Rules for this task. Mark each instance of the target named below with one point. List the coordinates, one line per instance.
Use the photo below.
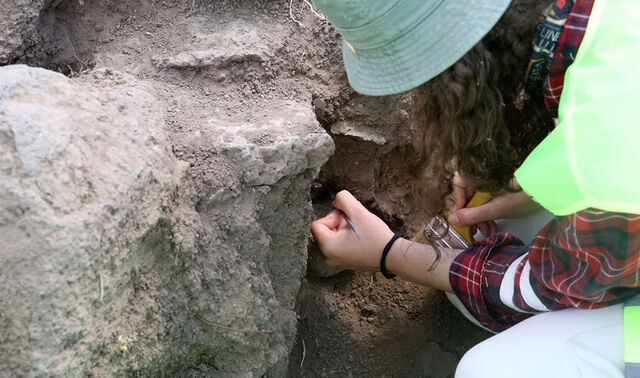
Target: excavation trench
(246, 107)
(354, 324)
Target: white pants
(567, 343)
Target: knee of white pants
(563, 343)
(478, 362)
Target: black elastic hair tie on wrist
(385, 252)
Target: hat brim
(425, 51)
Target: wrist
(385, 253)
(396, 256)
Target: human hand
(462, 193)
(340, 245)
(510, 205)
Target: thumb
(346, 202)
(459, 196)
(471, 216)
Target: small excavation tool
(436, 229)
(333, 197)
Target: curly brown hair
(479, 117)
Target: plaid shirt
(475, 276)
(590, 259)
(565, 52)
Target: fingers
(462, 192)
(459, 196)
(332, 220)
(320, 230)
(484, 228)
(457, 180)
(505, 206)
(325, 230)
(463, 217)
(472, 216)
(487, 228)
(509, 205)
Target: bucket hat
(391, 46)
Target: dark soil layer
(363, 325)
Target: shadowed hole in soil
(65, 42)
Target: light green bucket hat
(391, 46)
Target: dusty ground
(363, 325)
(351, 325)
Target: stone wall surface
(117, 260)
(18, 27)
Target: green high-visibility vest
(592, 159)
(631, 324)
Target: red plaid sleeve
(590, 259)
(475, 276)
(566, 50)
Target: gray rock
(278, 146)
(361, 132)
(18, 26)
(113, 263)
(75, 163)
(236, 43)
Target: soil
(363, 325)
(350, 325)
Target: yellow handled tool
(480, 198)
